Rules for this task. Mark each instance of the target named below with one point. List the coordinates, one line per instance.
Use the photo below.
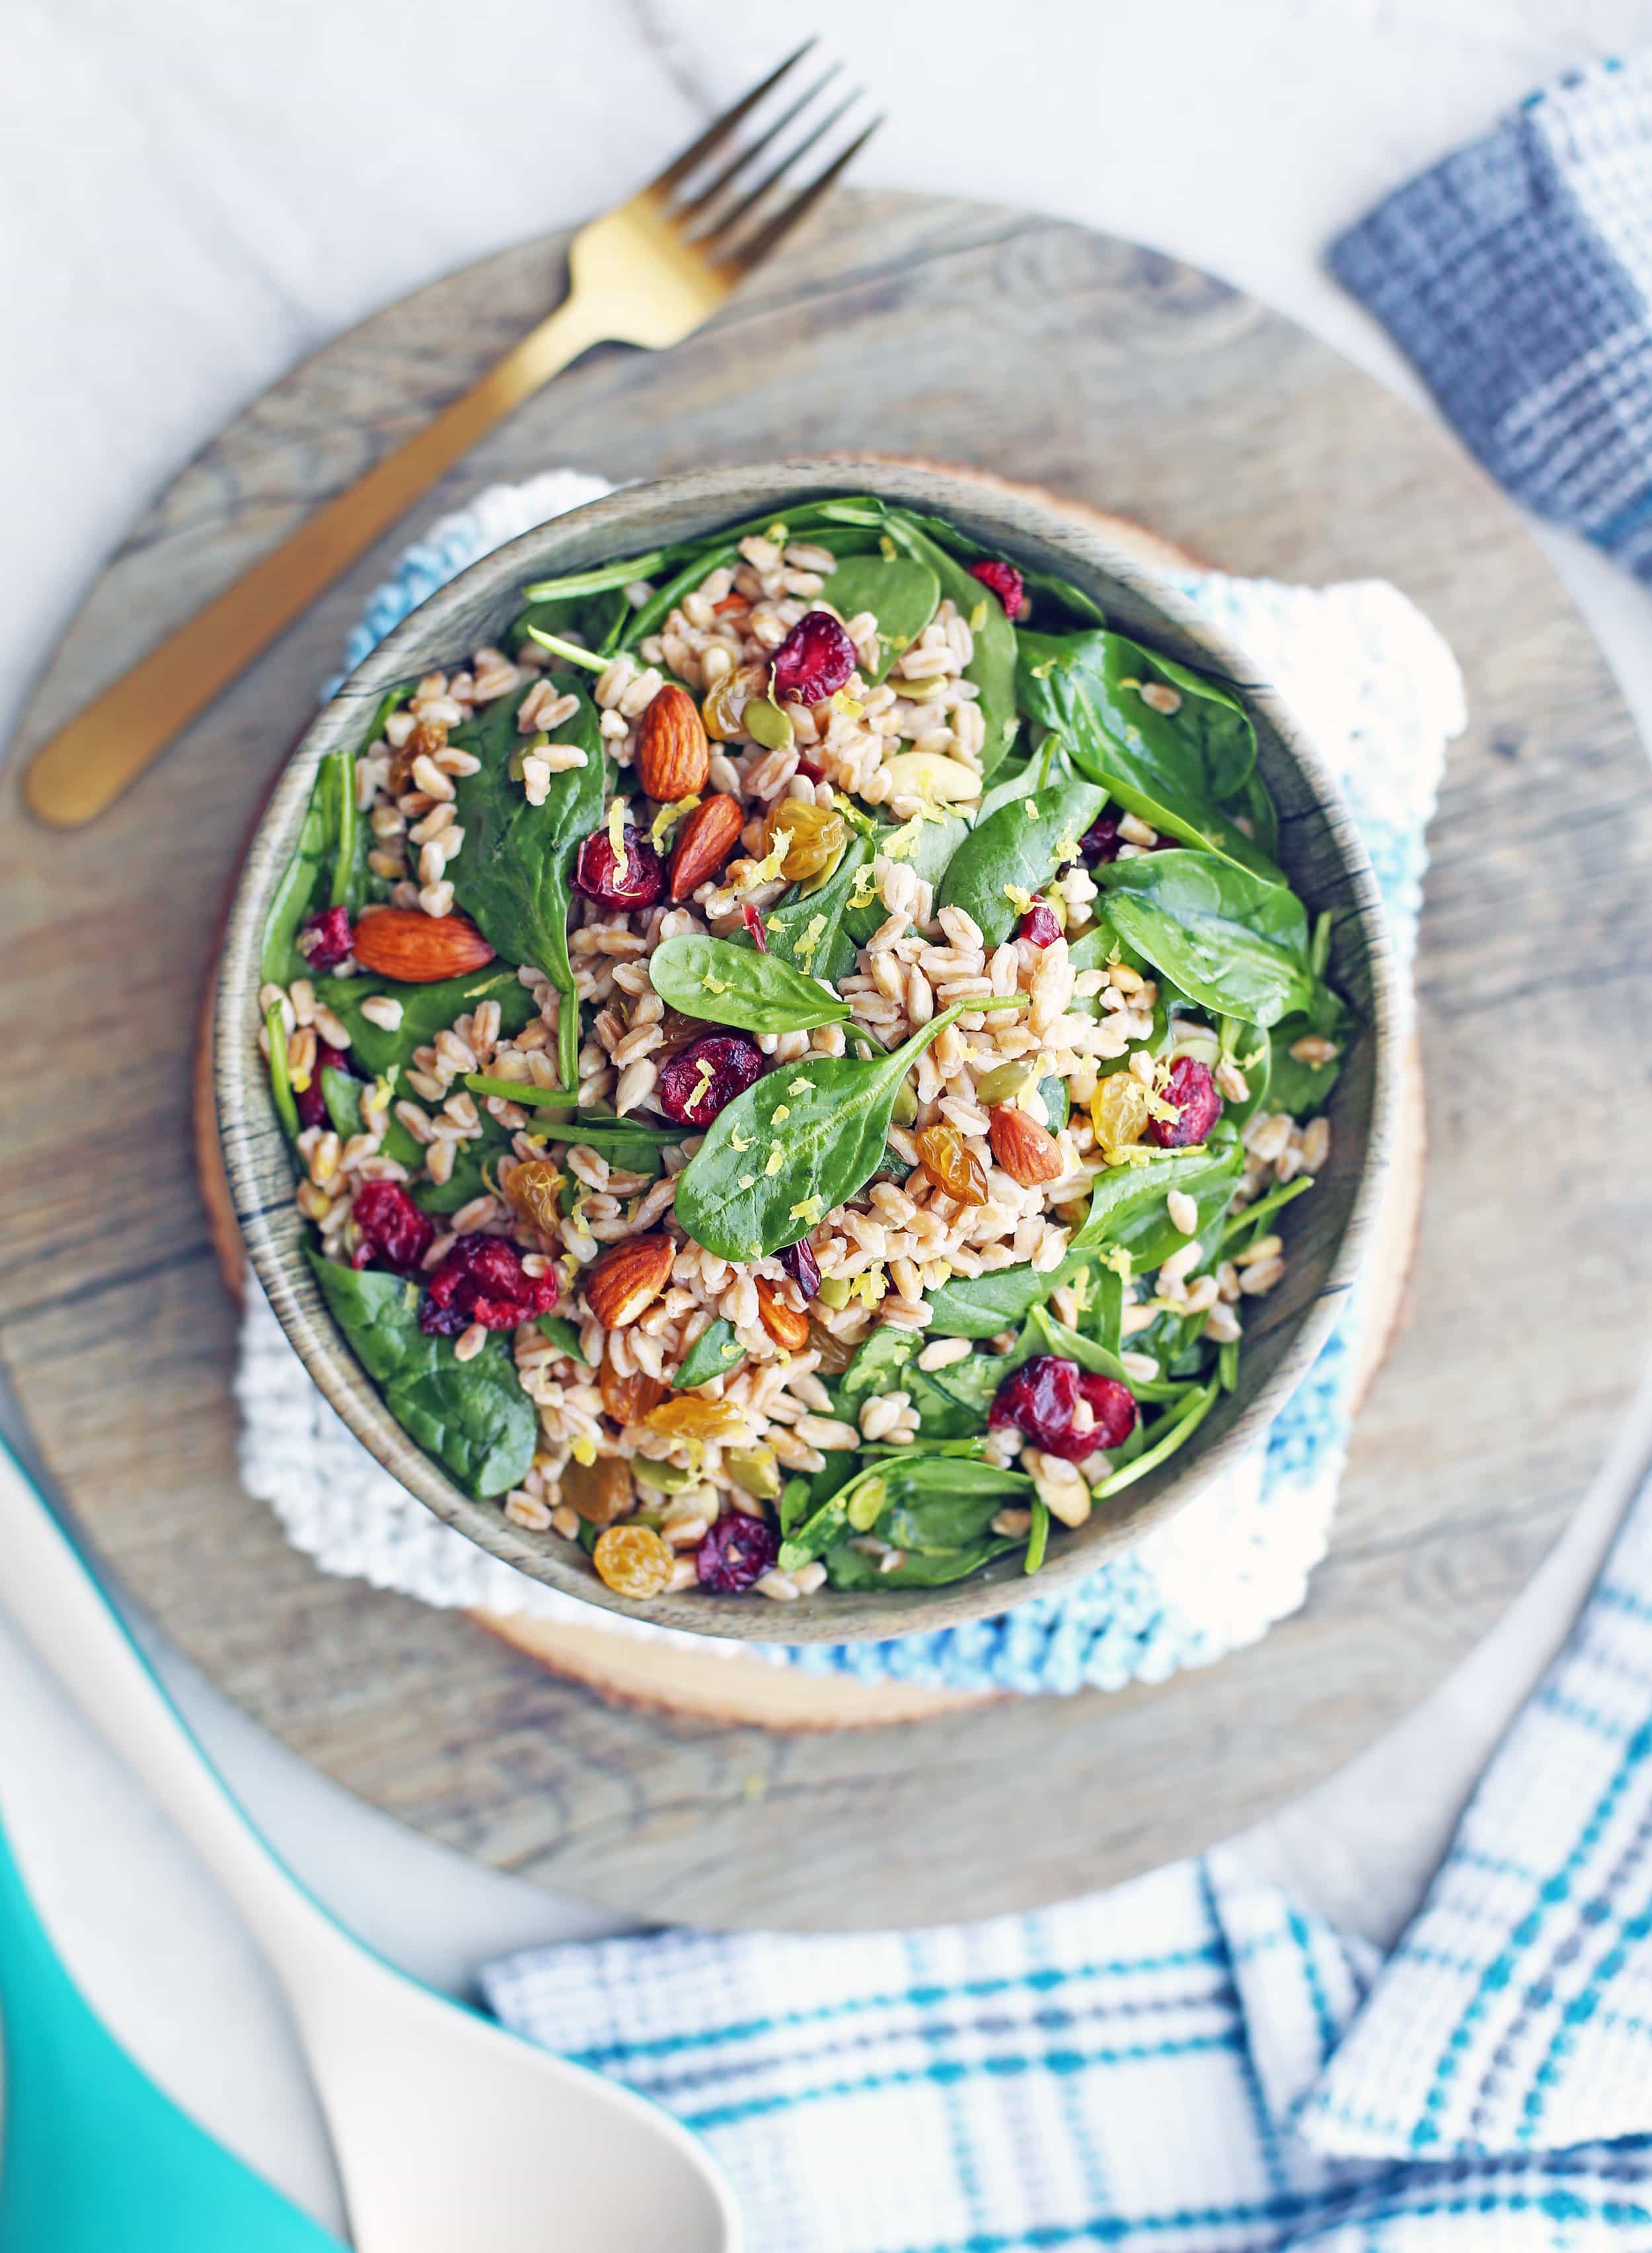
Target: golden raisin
(628, 1399)
(600, 1492)
(688, 1417)
(725, 701)
(533, 1189)
(951, 1164)
(424, 741)
(817, 835)
(1119, 1111)
(835, 1353)
(633, 1561)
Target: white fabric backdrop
(193, 194)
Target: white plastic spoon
(450, 2133)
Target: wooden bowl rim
(259, 1167)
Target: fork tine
(718, 131)
(731, 172)
(743, 256)
(724, 226)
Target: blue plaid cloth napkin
(1518, 274)
(1190, 2064)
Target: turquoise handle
(93, 2158)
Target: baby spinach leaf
(714, 1353)
(379, 1314)
(513, 873)
(1177, 770)
(951, 1508)
(901, 593)
(1045, 1334)
(703, 558)
(812, 932)
(729, 985)
(1018, 849)
(1127, 1204)
(1046, 764)
(472, 1416)
(971, 1382)
(993, 667)
(981, 1305)
(425, 1011)
(1228, 937)
(1160, 1441)
(926, 844)
(1300, 1088)
(342, 1096)
(281, 1089)
(298, 893)
(853, 1572)
(803, 1139)
(941, 1415)
(878, 1367)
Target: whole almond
(672, 756)
(405, 944)
(704, 842)
(788, 1329)
(1028, 1151)
(627, 1278)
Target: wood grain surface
(1094, 369)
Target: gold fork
(648, 273)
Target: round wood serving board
(1101, 371)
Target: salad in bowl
(797, 1051)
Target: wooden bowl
(1327, 1233)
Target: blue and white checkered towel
(1190, 2064)
(1381, 694)
(1518, 274)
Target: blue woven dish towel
(1380, 693)
(1191, 2063)
(1518, 274)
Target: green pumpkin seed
(664, 1478)
(755, 1470)
(1007, 1081)
(767, 724)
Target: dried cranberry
(483, 1280)
(1193, 1090)
(327, 938)
(705, 1077)
(756, 925)
(1042, 1398)
(1101, 841)
(810, 772)
(392, 1228)
(1005, 582)
(736, 1553)
(312, 1103)
(1038, 925)
(804, 1268)
(814, 660)
(638, 881)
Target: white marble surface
(192, 196)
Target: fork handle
(105, 746)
